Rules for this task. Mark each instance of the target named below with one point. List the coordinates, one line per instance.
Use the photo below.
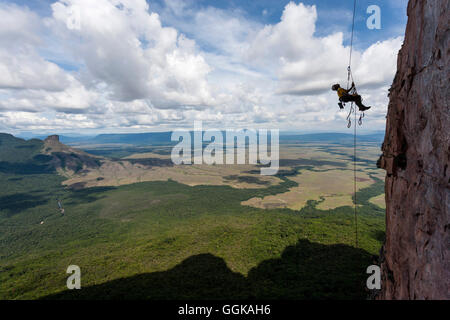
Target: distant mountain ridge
(133, 138)
(164, 138)
(148, 138)
(333, 137)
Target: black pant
(353, 98)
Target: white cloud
(288, 39)
(377, 65)
(28, 70)
(307, 65)
(18, 25)
(21, 67)
(125, 46)
(133, 72)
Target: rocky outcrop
(416, 156)
(52, 139)
(70, 160)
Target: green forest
(166, 240)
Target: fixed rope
(354, 184)
(351, 43)
(352, 109)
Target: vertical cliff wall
(416, 156)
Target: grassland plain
(379, 201)
(164, 239)
(164, 224)
(333, 186)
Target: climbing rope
(351, 45)
(352, 109)
(354, 183)
(349, 119)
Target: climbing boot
(362, 109)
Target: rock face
(68, 159)
(53, 138)
(416, 156)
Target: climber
(347, 96)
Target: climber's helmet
(335, 87)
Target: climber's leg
(358, 100)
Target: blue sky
(161, 65)
(332, 15)
(269, 12)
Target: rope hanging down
(352, 109)
(350, 73)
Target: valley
(188, 232)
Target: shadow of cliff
(16, 203)
(304, 271)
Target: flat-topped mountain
(68, 158)
(36, 156)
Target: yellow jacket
(341, 92)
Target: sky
(111, 66)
